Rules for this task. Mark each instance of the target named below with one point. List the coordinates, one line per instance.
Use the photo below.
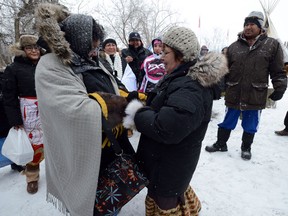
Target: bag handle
(108, 131)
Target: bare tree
(216, 40)
(149, 18)
(16, 18)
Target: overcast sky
(225, 15)
(228, 15)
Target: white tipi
(268, 6)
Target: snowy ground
(226, 184)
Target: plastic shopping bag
(17, 147)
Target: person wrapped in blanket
(174, 122)
(20, 102)
(77, 149)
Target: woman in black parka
(21, 104)
(174, 122)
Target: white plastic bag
(17, 147)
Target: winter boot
(16, 167)
(247, 140)
(220, 145)
(32, 177)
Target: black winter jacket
(19, 81)
(138, 56)
(4, 126)
(249, 70)
(172, 128)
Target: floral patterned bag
(119, 182)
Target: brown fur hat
(26, 40)
(17, 49)
(48, 17)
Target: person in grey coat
(77, 148)
(251, 60)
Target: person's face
(169, 59)
(203, 52)
(110, 48)
(158, 48)
(32, 52)
(135, 42)
(251, 31)
(95, 45)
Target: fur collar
(210, 69)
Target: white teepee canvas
(268, 7)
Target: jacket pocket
(232, 94)
(258, 94)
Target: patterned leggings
(191, 207)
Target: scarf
(117, 65)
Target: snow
(225, 184)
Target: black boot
(247, 140)
(220, 145)
(16, 167)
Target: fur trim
(131, 109)
(48, 17)
(209, 70)
(16, 50)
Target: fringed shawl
(72, 137)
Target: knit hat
(255, 17)
(78, 32)
(109, 40)
(156, 41)
(204, 48)
(26, 40)
(184, 40)
(134, 35)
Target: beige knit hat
(26, 40)
(184, 40)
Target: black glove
(276, 95)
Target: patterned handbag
(119, 182)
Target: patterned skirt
(191, 207)
(33, 127)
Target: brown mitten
(286, 68)
(113, 106)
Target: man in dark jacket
(251, 60)
(135, 54)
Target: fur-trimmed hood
(66, 34)
(48, 16)
(210, 69)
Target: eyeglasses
(165, 53)
(31, 47)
